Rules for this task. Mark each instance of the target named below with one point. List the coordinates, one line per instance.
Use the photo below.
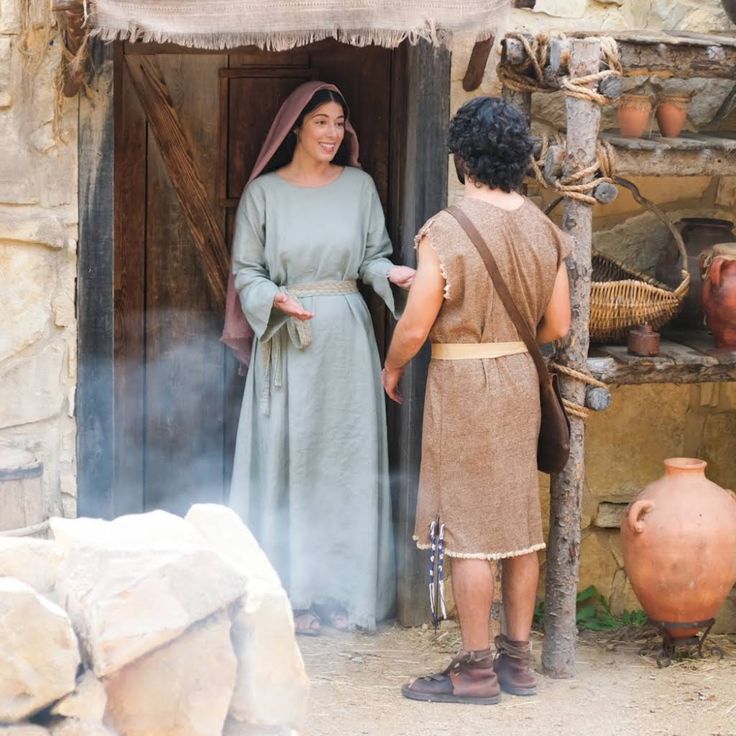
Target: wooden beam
(665, 55)
(683, 358)
(477, 64)
(176, 151)
(563, 552)
(425, 93)
(95, 409)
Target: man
(478, 490)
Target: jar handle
(714, 271)
(637, 511)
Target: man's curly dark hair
(491, 142)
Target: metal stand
(671, 644)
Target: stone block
(86, 703)
(33, 226)
(138, 582)
(181, 689)
(598, 565)
(10, 16)
(39, 651)
(32, 561)
(718, 448)
(27, 280)
(610, 515)
(78, 727)
(31, 388)
(618, 471)
(272, 686)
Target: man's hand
(390, 378)
(402, 276)
(291, 307)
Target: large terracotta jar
(719, 294)
(633, 115)
(699, 234)
(679, 543)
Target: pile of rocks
(148, 625)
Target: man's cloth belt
(475, 350)
(298, 331)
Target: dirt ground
(618, 690)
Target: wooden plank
(176, 151)
(425, 93)
(253, 99)
(94, 398)
(130, 292)
(684, 358)
(185, 362)
(477, 64)
(563, 551)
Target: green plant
(594, 614)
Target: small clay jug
(633, 115)
(679, 544)
(671, 114)
(719, 294)
(699, 234)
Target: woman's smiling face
(322, 131)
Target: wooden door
(177, 390)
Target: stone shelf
(684, 357)
(674, 54)
(692, 154)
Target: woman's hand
(291, 307)
(390, 378)
(402, 276)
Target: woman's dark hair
(491, 143)
(285, 152)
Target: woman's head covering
(237, 333)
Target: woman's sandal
(307, 623)
(333, 615)
(468, 679)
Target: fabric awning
(282, 24)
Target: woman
(478, 490)
(311, 470)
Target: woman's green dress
(311, 463)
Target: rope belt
(298, 331)
(475, 350)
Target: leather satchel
(553, 445)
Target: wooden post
(583, 121)
(522, 100)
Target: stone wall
(38, 230)
(625, 446)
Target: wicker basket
(621, 298)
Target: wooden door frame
(421, 100)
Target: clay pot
(633, 115)
(699, 233)
(672, 114)
(719, 294)
(679, 544)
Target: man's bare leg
(471, 677)
(513, 661)
(472, 587)
(519, 587)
